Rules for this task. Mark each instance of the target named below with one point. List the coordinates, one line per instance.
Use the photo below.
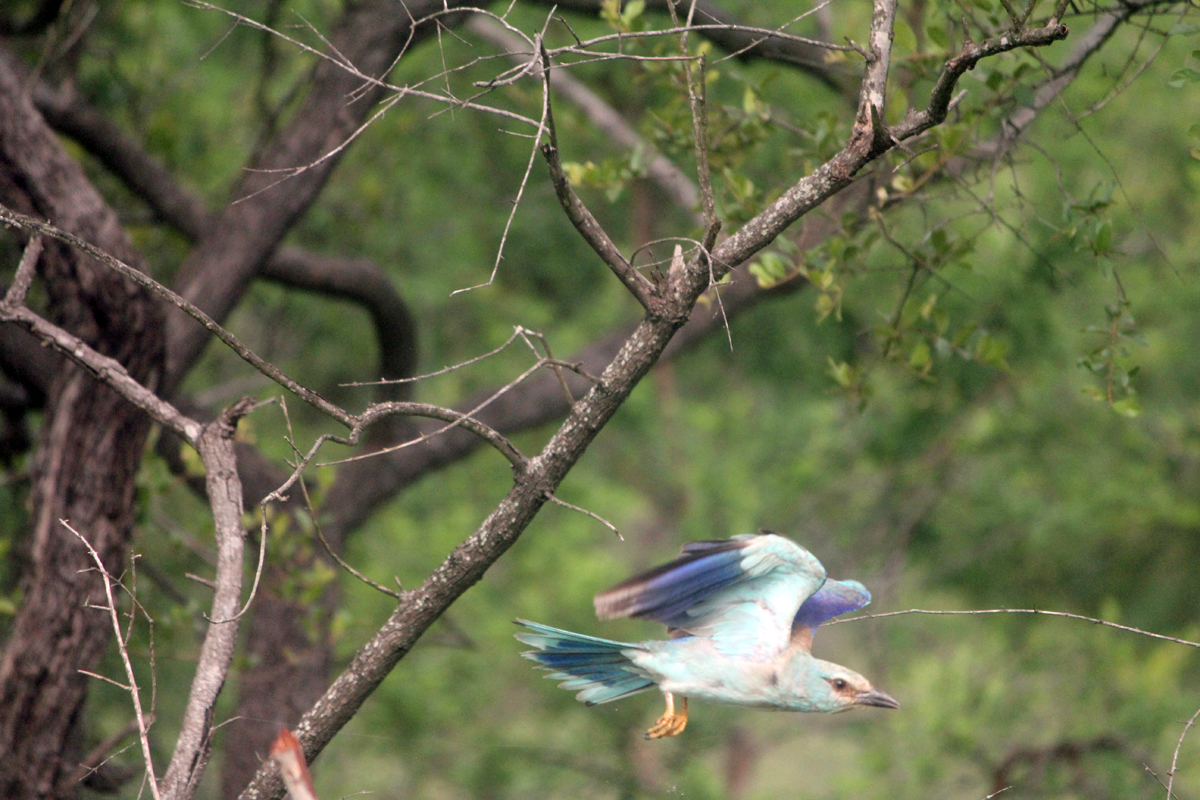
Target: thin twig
(592, 232)
(1178, 746)
(99, 755)
(316, 523)
(696, 102)
(456, 418)
(1037, 611)
(551, 362)
(11, 217)
(517, 332)
(25, 271)
(516, 203)
(143, 725)
(766, 33)
(778, 32)
(465, 421)
(611, 122)
(557, 501)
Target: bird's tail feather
(600, 669)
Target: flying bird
(741, 614)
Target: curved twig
(457, 419)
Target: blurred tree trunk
(88, 457)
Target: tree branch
(916, 122)
(370, 35)
(249, 356)
(674, 183)
(132, 686)
(361, 281)
(107, 370)
(355, 279)
(194, 745)
(591, 231)
(724, 30)
(70, 114)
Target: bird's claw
(670, 723)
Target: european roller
(741, 614)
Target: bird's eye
(839, 685)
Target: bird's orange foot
(670, 723)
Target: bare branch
(872, 95)
(638, 285)
(271, 371)
(1179, 745)
(558, 501)
(916, 122)
(143, 726)
(608, 120)
(458, 419)
(722, 29)
(98, 755)
(107, 370)
(194, 744)
(696, 98)
(25, 271)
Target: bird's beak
(876, 698)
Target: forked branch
(638, 285)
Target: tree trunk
(87, 460)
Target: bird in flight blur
(741, 614)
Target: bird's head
(832, 687)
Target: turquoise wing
(742, 593)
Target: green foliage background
(997, 479)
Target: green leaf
(1182, 76)
(1128, 407)
(1103, 239)
(940, 242)
(920, 357)
(770, 269)
(1183, 28)
(928, 306)
(937, 35)
(842, 373)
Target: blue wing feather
(666, 591)
(743, 593)
(832, 599)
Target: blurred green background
(957, 450)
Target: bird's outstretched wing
(832, 599)
(742, 593)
